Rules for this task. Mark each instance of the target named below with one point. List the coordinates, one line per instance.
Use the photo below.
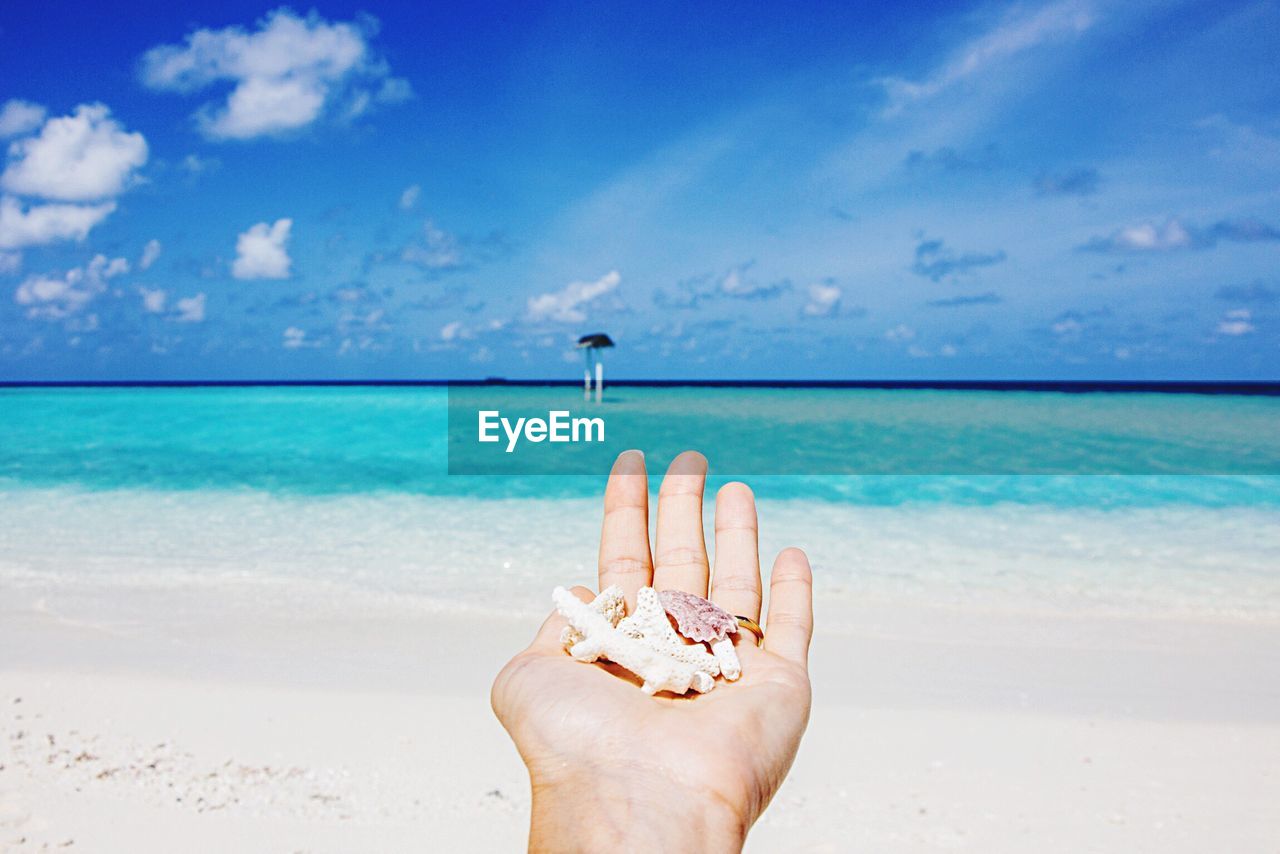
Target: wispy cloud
(824, 300)
(1241, 144)
(935, 261)
(150, 254)
(295, 338)
(54, 297)
(1018, 33)
(1173, 235)
(1076, 182)
(1236, 323)
(190, 309)
(153, 300)
(737, 282)
(409, 197)
(1254, 292)
(435, 249)
(965, 300)
(953, 161)
(569, 304)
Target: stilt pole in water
(592, 345)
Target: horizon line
(1245, 387)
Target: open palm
(590, 730)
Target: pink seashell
(696, 618)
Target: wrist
(628, 807)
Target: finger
(735, 584)
(548, 636)
(680, 552)
(624, 535)
(789, 626)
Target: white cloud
(1236, 327)
(1236, 323)
(1173, 235)
(261, 253)
(194, 164)
(105, 268)
(283, 74)
(153, 301)
(10, 262)
(901, 332)
(18, 117)
(295, 338)
(736, 283)
(732, 283)
(824, 300)
(438, 250)
(1068, 327)
(40, 224)
(450, 331)
(150, 253)
(1148, 237)
(191, 309)
(409, 198)
(567, 304)
(50, 297)
(1015, 35)
(80, 157)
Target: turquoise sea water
(308, 441)
(339, 499)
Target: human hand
(612, 767)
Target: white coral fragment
(644, 643)
(610, 604)
(728, 657)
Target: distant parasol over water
(591, 345)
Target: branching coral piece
(643, 643)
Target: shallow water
(341, 496)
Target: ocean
(343, 494)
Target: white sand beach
(210, 727)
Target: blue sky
(1061, 190)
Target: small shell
(696, 618)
